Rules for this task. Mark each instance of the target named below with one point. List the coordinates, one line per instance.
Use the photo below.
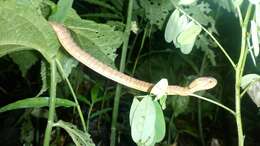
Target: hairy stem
(47, 136)
(122, 68)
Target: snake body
(64, 36)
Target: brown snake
(202, 83)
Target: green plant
(28, 40)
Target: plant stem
(47, 136)
(214, 102)
(121, 69)
(89, 113)
(73, 95)
(239, 74)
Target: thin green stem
(89, 113)
(61, 70)
(212, 37)
(140, 50)
(214, 102)
(121, 69)
(239, 74)
(47, 136)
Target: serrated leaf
(179, 104)
(24, 59)
(36, 102)
(21, 25)
(79, 137)
(143, 123)
(159, 123)
(100, 40)
(43, 78)
(156, 11)
(247, 79)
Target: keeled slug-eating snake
(64, 36)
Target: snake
(68, 43)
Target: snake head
(202, 83)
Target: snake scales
(64, 36)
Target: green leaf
(179, 104)
(187, 38)
(156, 11)
(63, 8)
(247, 79)
(159, 123)
(170, 30)
(100, 40)
(79, 137)
(24, 59)
(143, 122)
(100, 112)
(94, 92)
(22, 26)
(133, 108)
(257, 14)
(36, 102)
(44, 78)
(254, 92)
(186, 2)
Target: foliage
(30, 51)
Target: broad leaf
(100, 40)
(36, 102)
(143, 122)
(170, 30)
(159, 123)
(22, 26)
(133, 108)
(62, 10)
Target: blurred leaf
(94, 92)
(159, 123)
(156, 11)
(179, 104)
(36, 102)
(100, 112)
(254, 92)
(24, 59)
(187, 38)
(133, 108)
(225, 4)
(79, 137)
(62, 9)
(22, 27)
(254, 37)
(171, 30)
(143, 122)
(247, 79)
(186, 2)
